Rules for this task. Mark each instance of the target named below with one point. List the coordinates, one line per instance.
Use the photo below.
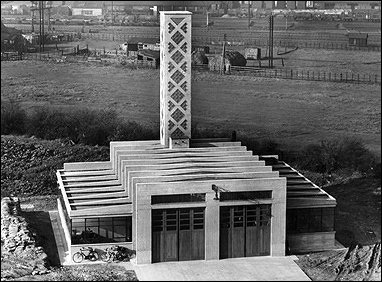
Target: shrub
(13, 118)
(84, 126)
(133, 131)
(332, 155)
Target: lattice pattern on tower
(175, 75)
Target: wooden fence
(104, 56)
(309, 75)
(11, 56)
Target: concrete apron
(252, 268)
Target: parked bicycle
(109, 254)
(116, 253)
(85, 253)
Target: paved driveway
(254, 268)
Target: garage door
(178, 234)
(245, 231)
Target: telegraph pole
(43, 24)
(112, 13)
(270, 45)
(223, 55)
(249, 13)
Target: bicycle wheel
(78, 257)
(106, 257)
(93, 256)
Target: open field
(290, 112)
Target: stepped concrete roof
(105, 188)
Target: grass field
(293, 113)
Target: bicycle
(116, 253)
(85, 253)
(109, 254)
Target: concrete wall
(143, 220)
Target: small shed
(358, 39)
(149, 55)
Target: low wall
(306, 242)
(19, 251)
(63, 224)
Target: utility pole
(33, 9)
(112, 13)
(49, 13)
(223, 55)
(43, 24)
(270, 44)
(249, 13)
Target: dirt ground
(287, 111)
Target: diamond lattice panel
(177, 76)
(177, 115)
(177, 37)
(177, 57)
(177, 96)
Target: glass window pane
(78, 229)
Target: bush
(13, 118)
(333, 155)
(133, 131)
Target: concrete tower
(175, 78)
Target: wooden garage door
(178, 234)
(245, 231)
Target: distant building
(353, 5)
(11, 39)
(87, 8)
(149, 55)
(358, 39)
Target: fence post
(358, 77)
(369, 78)
(375, 79)
(308, 75)
(364, 77)
(352, 77)
(341, 76)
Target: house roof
(357, 35)
(136, 40)
(102, 188)
(150, 53)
